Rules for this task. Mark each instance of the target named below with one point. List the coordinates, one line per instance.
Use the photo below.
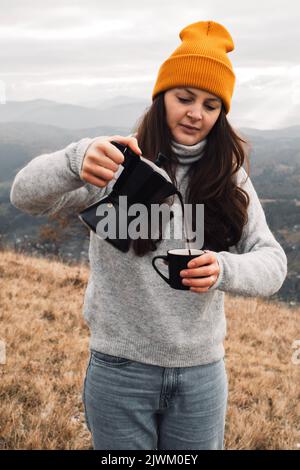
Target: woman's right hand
(102, 159)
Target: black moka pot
(140, 183)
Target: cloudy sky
(85, 51)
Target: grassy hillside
(47, 350)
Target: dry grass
(47, 351)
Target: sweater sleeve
(259, 266)
(50, 183)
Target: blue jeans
(133, 405)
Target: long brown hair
(210, 179)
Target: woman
(156, 377)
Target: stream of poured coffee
(184, 226)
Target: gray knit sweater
(130, 310)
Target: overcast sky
(80, 51)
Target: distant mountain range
(122, 113)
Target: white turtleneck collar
(187, 154)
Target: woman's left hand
(202, 272)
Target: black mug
(177, 260)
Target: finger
(130, 141)
(108, 150)
(207, 258)
(199, 289)
(99, 172)
(94, 180)
(203, 271)
(103, 161)
(134, 145)
(111, 152)
(197, 282)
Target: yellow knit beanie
(200, 61)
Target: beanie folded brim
(202, 72)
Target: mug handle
(165, 258)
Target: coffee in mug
(177, 260)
